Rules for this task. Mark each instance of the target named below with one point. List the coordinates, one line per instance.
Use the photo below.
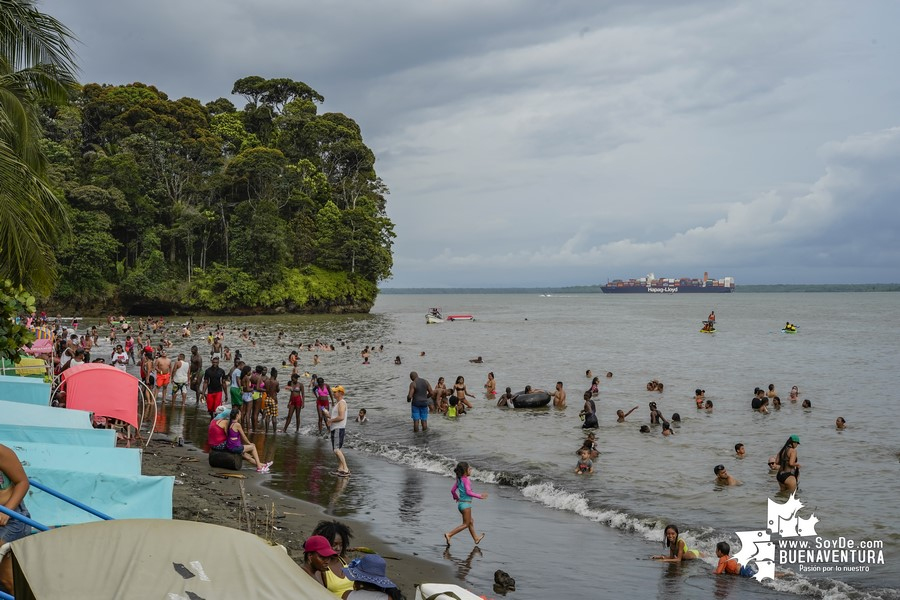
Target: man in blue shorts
(419, 393)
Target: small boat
(531, 400)
(460, 317)
(789, 330)
(433, 316)
(707, 331)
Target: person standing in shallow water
(418, 394)
(589, 412)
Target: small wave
(648, 527)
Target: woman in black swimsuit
(788, 467)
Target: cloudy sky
(552, 143)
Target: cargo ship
(650, 284)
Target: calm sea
(588, 530)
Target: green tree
(258, 240)
(36, 65)
(87, 259)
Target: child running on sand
(463, 494)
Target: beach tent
(18, 414)
(26, 390)
(119, 496)
(87, 459)
(153, 559)
(42, 344)
(26, 367)
(101, 438)
(104, 390)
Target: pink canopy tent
(104, 390)
(43, 343)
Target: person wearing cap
(338, 535)
(370, 581)
(722, 476)
(337, 425)
(788, 467)
(316, 552)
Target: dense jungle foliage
(175, 205)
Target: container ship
(650, 284)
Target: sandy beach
(202, 494)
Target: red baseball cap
(318, 544)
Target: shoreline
(199, 495)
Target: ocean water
(596, 531)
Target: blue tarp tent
(25, 390)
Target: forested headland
(181, 206)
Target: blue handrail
(14, 515)
(71, 501)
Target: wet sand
(199, 495)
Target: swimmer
(477, 361)
(727, 564)
(840, 423)
(361, 417)
(788, 467)
(667, 429)
(676, 418)
(678, 548)
(590, 444)
(655, 415)
(776, 403)
(397, 360)
(795, 392)
(773, 463)
(739, 450)
(490, 386)
(559, 395)
(585, 464)
(645, 429)
(595, 387)
(708, 406)
(507, 398)
(588, 374)
(609, 374)
(699, 397)
(620, 414)
(806, 403)
(722, 476)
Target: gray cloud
(534, 143)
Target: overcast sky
(557, 143)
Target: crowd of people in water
(242, 398)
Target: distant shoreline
(595, 289)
